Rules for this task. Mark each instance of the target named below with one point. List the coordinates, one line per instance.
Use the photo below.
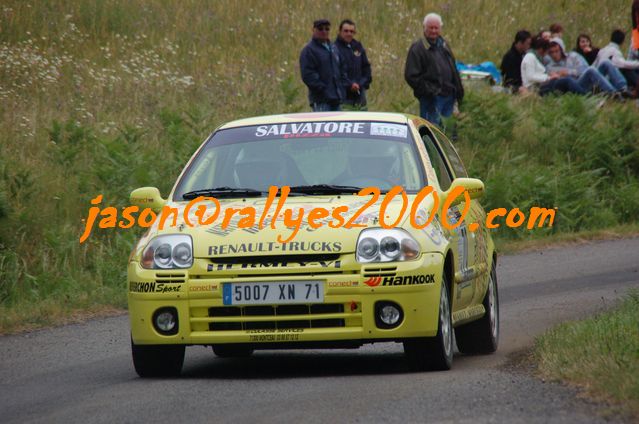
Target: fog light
(165, 321)
(388, 314)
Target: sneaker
(626, 94)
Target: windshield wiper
(224, 192)
(325, 189)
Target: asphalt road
(83, 373)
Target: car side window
(437, 160)
(451, 154)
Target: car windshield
(349, 154)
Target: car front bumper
(347, 313)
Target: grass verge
(599, 354)
(509, 246)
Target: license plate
(258, 293)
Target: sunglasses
(349, 31)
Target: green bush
(559, 152)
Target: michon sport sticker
(390, 130)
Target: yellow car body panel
(325, 255)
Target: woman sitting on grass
(585, 48)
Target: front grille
(245, 313)
(270, 259)
(276, 265)
(170, 277)
(379, 271)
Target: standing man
(321, 70)
(431, 73)
(358, 70)
(511, 62)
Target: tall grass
(599, 354)
(106, 96)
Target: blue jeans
(562, 85)
(591, 78)
(326, 107)
(433, 108)
(610, 71)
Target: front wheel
(434, 353)
(482, 336)
(157, 360)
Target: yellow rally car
(235, 287)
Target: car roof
(398, 118)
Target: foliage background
(107, 96)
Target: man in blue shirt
(321, 70)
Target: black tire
(232, 351)
(434, 353)
(157, 360)
(482, 336)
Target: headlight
(381, 245)
(368, 248)
(168, 252)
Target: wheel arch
(449, 270)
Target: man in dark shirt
(511, 63)
(431, 72)
(358, 70)
(321, 70)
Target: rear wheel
(482, 336)
(157, 360)
(232, 351)
(434, 353)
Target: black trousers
(631, 75)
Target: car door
(478, 239)
(462, 240)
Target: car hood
(214, 241)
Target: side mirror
(473, 186)
(147, 197)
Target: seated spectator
(585, 48)
(545, 34)
(612, 52)
(556, 31)
(511, 62)
(534, 75)
(574, 66)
